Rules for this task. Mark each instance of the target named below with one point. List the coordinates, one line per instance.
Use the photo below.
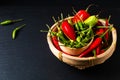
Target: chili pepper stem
(105, 32)
(17, 20)
(89, 7)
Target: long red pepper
(99, 32)
(94, 45)
(98, 50)
(55, 42)
(106, 24)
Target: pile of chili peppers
(77, 32)
(8, 22)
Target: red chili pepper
(55, 42)
(99, 23)
(102, 51)
(98, 50)
(68, 30)
(100, 31)
(80, 16)
(94, 45)
(106, 24)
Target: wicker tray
(85, 62)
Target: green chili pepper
(6, 22)
(91, 21)
(15, 31)
(78, 45)
(80, 25)
(61, 36)
(76, 27)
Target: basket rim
(114, 37)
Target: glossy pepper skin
(68, 30)
(80, 16)
(91, 21)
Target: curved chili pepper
(15, 31)
(68, 30)
(94, 45)
(55, 42)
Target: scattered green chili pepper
(15, 30)
(7, 22)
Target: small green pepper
(15, 31)
(6, 22)
(91, 21)
(61, 36)
(80, 25)
(77, 27)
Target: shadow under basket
(84, 62)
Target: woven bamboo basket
(84, 62)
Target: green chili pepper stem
(109, 18)
(80, 25)
(50, 31)
(44, 31)
(62, 16)
(17, 20)
(94, 52)
(106, 31)
(15, 30)
(76, 26)
(61, 36)
(102, 26)
(89, 6)
(74, 10)
(54, 19)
